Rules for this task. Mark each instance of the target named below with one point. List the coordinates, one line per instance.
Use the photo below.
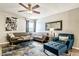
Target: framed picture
(11, 24)
(57, 25)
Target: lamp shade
(51, 29)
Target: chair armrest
(70, 43)
(15, 38)
(55, 38)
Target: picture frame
(11, 24)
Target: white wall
(70, 23)
(21, 25)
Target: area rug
(26, 51)
(35, 49)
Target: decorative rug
(31, 50)
(34, 49)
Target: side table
(1, 45)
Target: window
(31, 26)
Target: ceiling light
(30, 12)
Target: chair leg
(70, 52)
(66, 52)
(45, 52)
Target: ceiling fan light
(30, 12)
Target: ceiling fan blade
(36, 6)
(23, 5)
(22, 11)
(36, 12)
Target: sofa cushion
(26, 37)
(39, 36)
(55, 45)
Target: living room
(31, 29)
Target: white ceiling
(46, 9)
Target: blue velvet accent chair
(59, 47)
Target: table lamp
(52, 32)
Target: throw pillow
(63, 38)
(11, 35)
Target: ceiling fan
(29, 8)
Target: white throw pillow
(11, 35)
(63, 38)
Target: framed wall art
(11, 24)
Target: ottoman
(55, 47)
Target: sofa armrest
(15, 38)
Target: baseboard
(75, 48)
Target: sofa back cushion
(19, 34)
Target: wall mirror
(57, 25)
